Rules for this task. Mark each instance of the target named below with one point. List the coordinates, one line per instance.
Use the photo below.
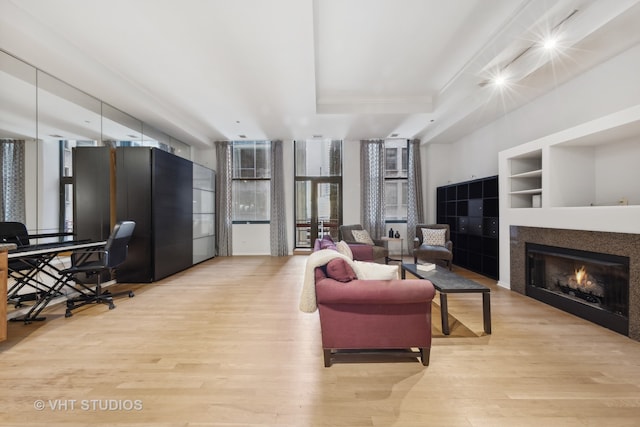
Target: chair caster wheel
(112, 306)
(131, 294)
(68, 313)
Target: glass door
(318, 210)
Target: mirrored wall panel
(42, 121)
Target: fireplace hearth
(591, 285)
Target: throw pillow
(375, 271)
(362, 236)
(338, 269)
(433, 237)
(343, 248)
(327, 242)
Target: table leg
(486, 311)
(444, 313)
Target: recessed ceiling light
(394, 135)
(53, 135)
(132, 136)
(242, 136)
(317, 136)
(499, 80)
(550, 43)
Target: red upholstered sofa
(392, 317)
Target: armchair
(438, 247)
(362, 251)
(390, 317)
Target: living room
(223, 342)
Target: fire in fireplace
(590, 285)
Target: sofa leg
(424, 355)
(327, 357)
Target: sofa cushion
(344, 249)
(362, 236)
(375, 271)
(338, 269)
(433, 236)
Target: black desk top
(56, 247)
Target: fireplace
(624, 245)
(591, 285)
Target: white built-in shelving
(525, 179)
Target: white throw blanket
(363, 270)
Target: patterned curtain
(415, 204)
(12, 180)
(372, 187)
(278, 227)
(224, 150)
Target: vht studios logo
(88, 405)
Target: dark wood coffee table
(447, 282)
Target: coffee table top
(446, 281)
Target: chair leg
(97, 296)
(327, 357)
(425, 353)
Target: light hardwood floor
(223, 344)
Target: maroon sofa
(392, 317)
(361, 251)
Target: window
(251, 185)
(395, 183)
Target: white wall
(605, 89)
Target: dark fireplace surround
(618, 245)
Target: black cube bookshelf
(471, 210)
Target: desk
(40, 260)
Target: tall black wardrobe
(154, 188)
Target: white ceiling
(206, 70)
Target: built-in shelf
(525, 180)
(593, 164)
(529, 174)
(529, 191)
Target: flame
(581, 274)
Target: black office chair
(23, 271)
(96, 263)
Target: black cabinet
(471, 210)
(154, 188)
(91, 193)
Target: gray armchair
(430, 252)
(378, 251)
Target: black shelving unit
(471, 210)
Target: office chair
(96, 263)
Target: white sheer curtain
(415, 203)
(372, 216)
(278, 220)
(12, 201)
(224, 220)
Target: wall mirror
(42, 119)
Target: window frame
(401, 175)
(266, 176)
